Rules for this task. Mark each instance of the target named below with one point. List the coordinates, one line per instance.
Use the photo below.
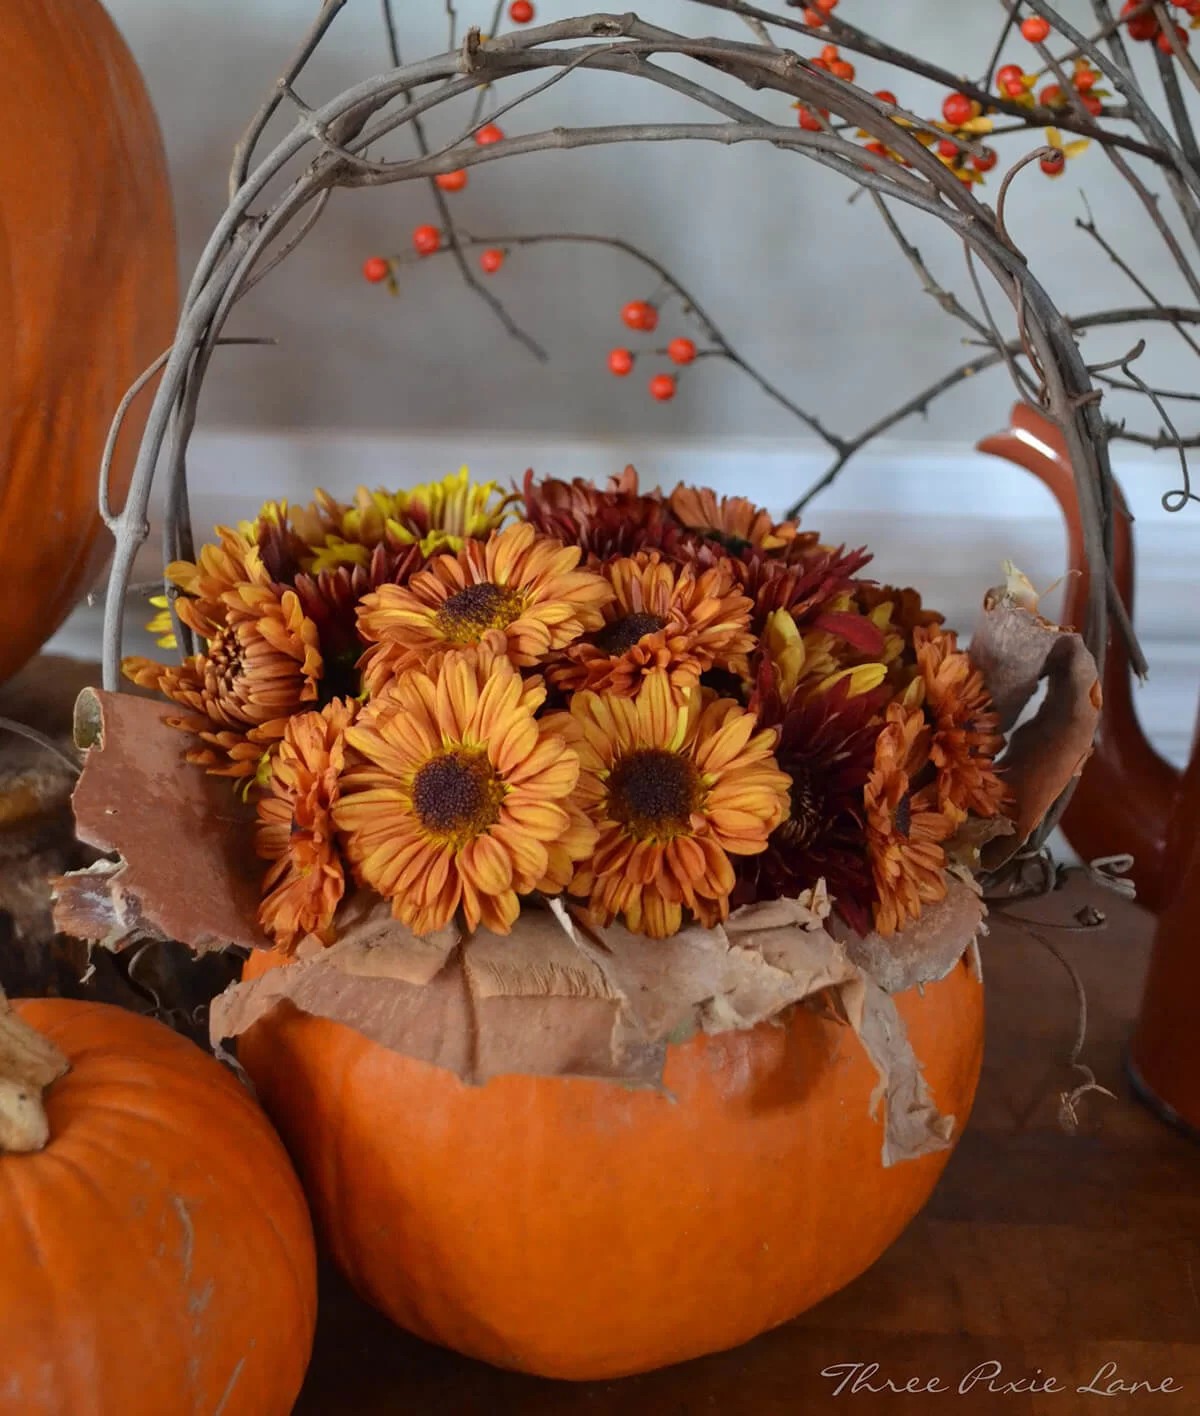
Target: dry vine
(276, 199)
(1177, 156)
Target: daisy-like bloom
(259, 669)
(525, 587)
(966, 729)
(464, 797)
(674, 791)
(614, 521)
(306, 880)
(905, 824)
(827, 748)
(733, 522)
(662, 616)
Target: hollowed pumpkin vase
(586, 1229)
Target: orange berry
(620, 362)
(375, 269)
(681, 350)
(1035, 29)
(957, 109)
(662, 387)
(491, 260)
(426, 240)
(520, 12)
(490, 133)
(640, 314)
(452, 181)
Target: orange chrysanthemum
(464, 797)
(734, 522)
(306, 881)
(525, 587)
(674, 791)
(966, 729)
(259, 669)
(662, 616)
(218, 571)
(905, 827)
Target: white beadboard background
(942, 519)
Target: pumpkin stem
(29, 1062)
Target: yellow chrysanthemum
(436, 516)
(662, 616)
(306, 880)
(673, 790)
(524, 588)
(160, 624)
(813, 657)
(465, 798)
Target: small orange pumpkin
(157, 1253)
(87, 295)
(582, 1229)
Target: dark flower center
(468, 614)
(902, 818)
(807, 814)
(733, 543)
(624, 633)
(724, 681)
(457, 796)
(339, 676)
(653, 792)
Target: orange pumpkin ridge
(158, 1255)
(585, 1230)
(87, 296)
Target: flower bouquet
(607, 860)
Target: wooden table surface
(1053, 1258)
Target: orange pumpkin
(157, 1253)
(87, 295)
(582, 1229)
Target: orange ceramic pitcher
(1130, 799)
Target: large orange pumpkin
(582, 1229)
(87, 295)
(157, 1255)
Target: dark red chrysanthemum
(827, 748)
(617, 520)
(331, 598)
(802, 584)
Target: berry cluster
(1141, 23)
(642, 315)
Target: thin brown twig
(446, 219)
(243, 153)
(1090, 228)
